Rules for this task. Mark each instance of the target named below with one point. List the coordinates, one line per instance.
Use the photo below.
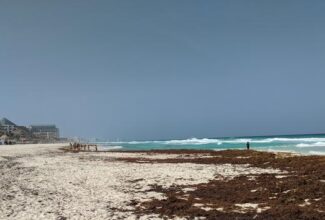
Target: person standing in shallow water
(247, 145)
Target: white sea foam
(317, 144)
(219, 149)
(242, 140)
(278, 151)
(194, 141)
(198, 141)
(113, 147)
(290, 140)
(317, 152)
(237, 141)
(270, 140)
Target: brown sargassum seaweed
(299, 194)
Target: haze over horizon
(147, 70)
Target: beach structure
(45, 131)
(79, 147)
(6, 125)
(3, 139)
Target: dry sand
(43, 182)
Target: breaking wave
(197, 141)
(317, 144)
(194, 141)
(297, 143)
(113, 147)
(317, 152)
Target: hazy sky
(164, 69)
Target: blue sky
(164, 69)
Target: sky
(149, 69)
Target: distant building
(45, 131)
(6, 125)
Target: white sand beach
(43, 182)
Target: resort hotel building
(45, 131)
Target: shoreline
(48, 182)
(294, 153)
(302, 144)
(116, 148)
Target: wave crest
(113, 147)
(317, 144)
(194, 141)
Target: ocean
(304, 144)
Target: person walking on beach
(247, 145)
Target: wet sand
(49, 182)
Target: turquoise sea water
(305, 144)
